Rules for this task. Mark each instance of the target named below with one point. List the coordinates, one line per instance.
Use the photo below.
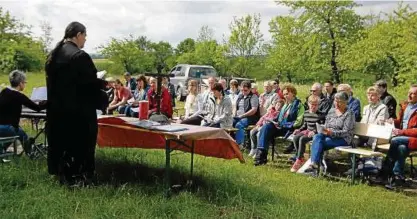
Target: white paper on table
(320, 128)
(101, 74)
(39, 94)
(135, 109)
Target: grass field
(131, 186)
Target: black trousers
(196, 120)
(72, 142)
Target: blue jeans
(267, 132)
(398, 151)
(9, 131)
(121, 109)
(323, 143)
(127, 110)
(241, 125)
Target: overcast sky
(170, 21)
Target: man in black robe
(74, 93)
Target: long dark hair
(71, 31)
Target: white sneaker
(252, 152)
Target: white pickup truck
(185, 72)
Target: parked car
(185, 72)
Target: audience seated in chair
(166, 107)
(121, 96)
(276, 89)
(387, 99)
(234, 93)
(130, 83)
(207, 98)
(271, 114)
(247, 112)
(373, 113)
(193, 105)
(305, 133)
(11, 101)
(141, 93)
(330, 91)
(289, 118)
(166, 82)
(405, 139)
(267, 98)
(324, 103)
(338, 131)
(224, 85)
(353, 104)
(222, 116)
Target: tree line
(318, 40)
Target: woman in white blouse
(234, 94)
(193, 105)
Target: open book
(39, 94)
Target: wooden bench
(366, 130)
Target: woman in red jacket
(166, 107)
(405, 139)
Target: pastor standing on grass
(74, 94)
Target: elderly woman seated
(193, 105)
(121, 96)
(289, 118)
(373, 113)
(11, 101)
(337, 131)
(140, 93)
(165, 104)
(221, 117)
(353, 104)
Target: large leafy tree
(388, 49)
(127, 53)
(162, 51)
(332, 24)
(18, 49)
(245, 42)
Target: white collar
(12, 88)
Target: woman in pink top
(272, 113)
(121, 96)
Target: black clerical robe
(74, 94)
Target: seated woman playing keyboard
(11, 101)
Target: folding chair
(6, 141)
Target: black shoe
(261, 157)
(292, 159)
(395, 182)
(289, 149)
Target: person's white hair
(267, 83)
(16, 77)
(318, 86)
(345, 87)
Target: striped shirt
(310, 120)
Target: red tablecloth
(212, 142)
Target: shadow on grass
(221, 190)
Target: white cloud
(170, 21)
